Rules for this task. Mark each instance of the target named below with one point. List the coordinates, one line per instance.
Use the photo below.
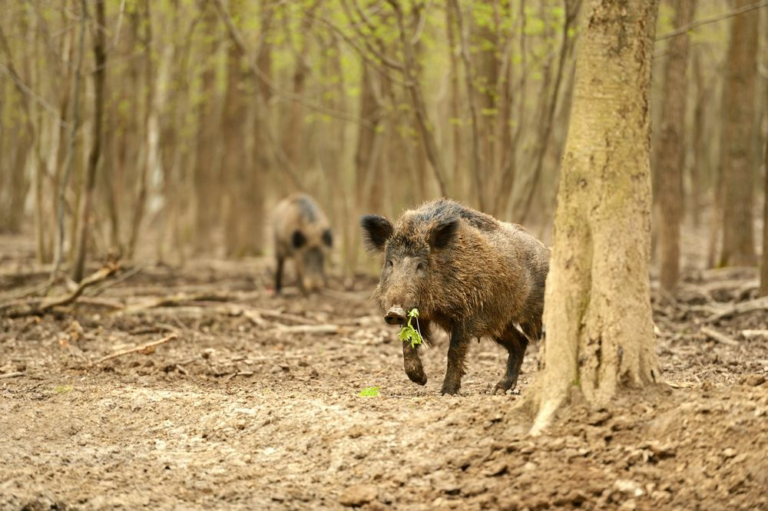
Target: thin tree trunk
(477, 163)
(764, 264)
(100, 59)
(549, 107)
(426, 128)
(206, 214)
(70, 158)
(597, 308)
(671, 148)
(509, 168)
(151, 134)
(457, 183)
(293, 137)
(233, 130)
(736, 161)
(700, 153)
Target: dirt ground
(256, 405)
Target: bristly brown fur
(301, 232)
(483, 277)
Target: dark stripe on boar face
(298, 239)
(328, 238)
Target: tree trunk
(736, 161)
(597, 309)
(764, 264)
(455, 118)
(700, 153)
(232, 127)
(151, 134)
(426, 128)
(671, 148)
(477, 169)
(549, 108)
(100, 59)
(293, 137)
(206, 212)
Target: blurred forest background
(167, 129)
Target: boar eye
(390, 264)
(421, 267)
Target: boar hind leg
(411, 360)
(279, 275)
(515, 343)
(457, 353)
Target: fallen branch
(11, 375)
(40, 306)
(174, 300)
(754, 334)
(122, 278)
(274, 314)
(308, 329)
(740, 308)
(144, 348)
(719, 337)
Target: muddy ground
(256, 405)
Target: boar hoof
(450, 389)
(417, 376)
(503, 386)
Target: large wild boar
(466, 272)
(302, 233)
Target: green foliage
(410, 334)
(370, 392)
(63, 389)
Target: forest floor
(256, 405)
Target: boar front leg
(411, 360)
(457, 353)
(279, 274)
(412, 363)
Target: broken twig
(740, 308)
(11, 375)
(40, 306)
(719, 337)
(144, 348)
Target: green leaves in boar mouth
(410, 334)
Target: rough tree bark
(597, 308)
(736, 162)
(100, 60)
(671, 148)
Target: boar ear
(443, 233)
(376, 231)
(328, 238)
(298, 239)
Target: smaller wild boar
(301, 232)
(466, 272)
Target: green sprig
(410, 334)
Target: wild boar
(302, 233)
(466, 272)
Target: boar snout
(395, 316)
